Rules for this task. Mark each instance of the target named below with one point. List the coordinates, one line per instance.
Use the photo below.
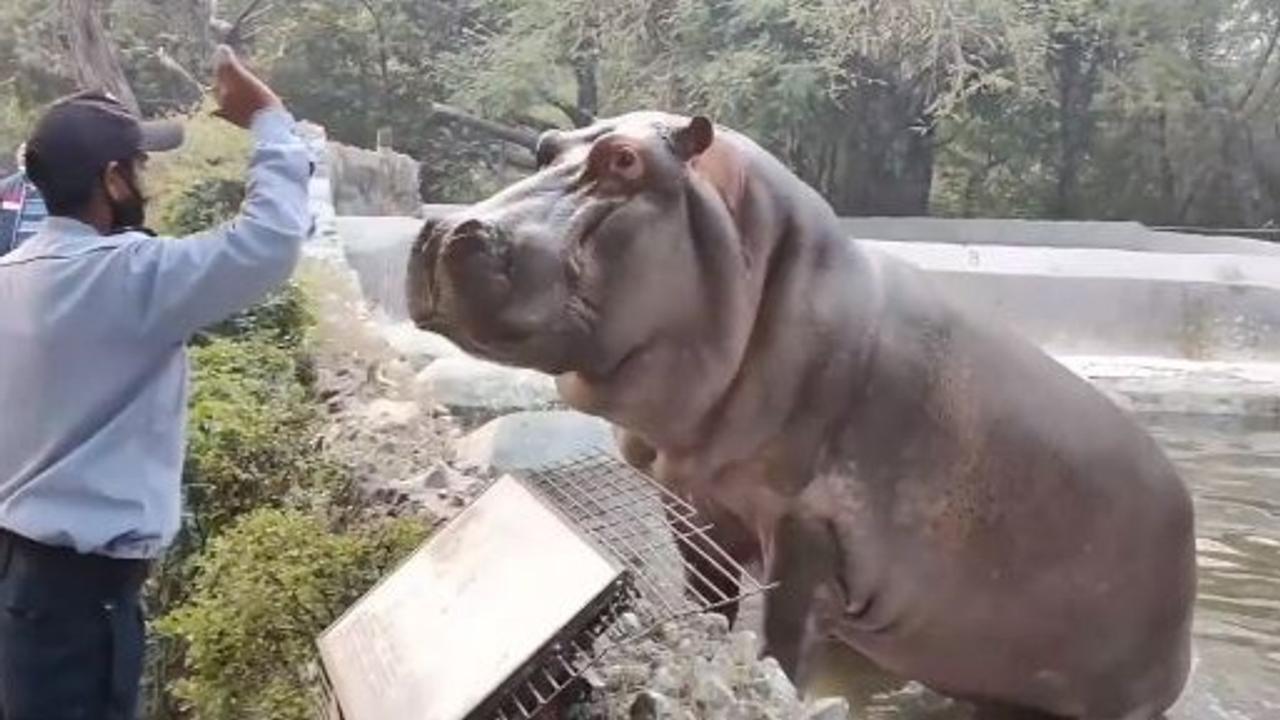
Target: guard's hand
(239, 93)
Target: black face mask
(128, 214)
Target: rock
(630, 624)
(827, 709)
(712, 693)
(656, 706)
(471, 384)
(531, 439)
(667, 680)
(714, 625)
(630, 675)
(382, 413)
(444, 478)
(419, 346)
(775, 683)
(744, 647)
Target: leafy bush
(201, 183)
(203, 204)
(283, 319)
(262, 592)
(252, 435)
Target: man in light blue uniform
(94, 316)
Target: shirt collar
(60, 235)
(68, 227)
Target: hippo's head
(619, 261)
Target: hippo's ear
(693, 139)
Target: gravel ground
(696, 669)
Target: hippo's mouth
(481, 296)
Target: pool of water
(1233, 468)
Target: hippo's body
(930, 490)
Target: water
(1233, 468)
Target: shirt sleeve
(190, 282)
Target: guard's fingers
(224, 56)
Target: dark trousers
(71, 633)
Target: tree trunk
(1075, 64)
(93, 58)
(585, 69)
(885, 163)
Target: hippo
(922, 486)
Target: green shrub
(284, 319)
(252, 432)
(262, 593)
(252, 436)
(202, 183)
(203, 204)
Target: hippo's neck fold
(805, 364)
(813, 338)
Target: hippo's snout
(462, 266)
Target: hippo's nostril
(475, 237)
(471, 228)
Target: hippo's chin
(545, 354)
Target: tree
(93, 58)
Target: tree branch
(1260, 72)
(522, 137)
(168, 62)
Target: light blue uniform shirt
(93, 365)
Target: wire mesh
(638, 524)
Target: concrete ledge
(1088, 301)
(1087, 234)
(1051, 234)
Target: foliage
(253, 424)
(1156, 110)
(262, 592)
(201, 183)
(252, 430)
(283, 319)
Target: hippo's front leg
(799, 558)
(709, 581)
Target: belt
(53, 566)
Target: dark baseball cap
(90, 129)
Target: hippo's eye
(547, 149)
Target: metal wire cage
(640, 526)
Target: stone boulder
(527, 440)
(468, 384)
(419, 347)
